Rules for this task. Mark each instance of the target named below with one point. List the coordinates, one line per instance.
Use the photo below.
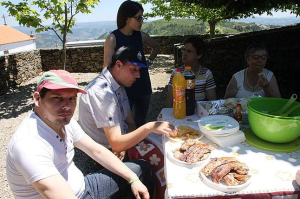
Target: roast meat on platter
(228, 170)
(192, 151)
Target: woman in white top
(255, 79)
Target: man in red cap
(40, 153)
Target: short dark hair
(197, 43)
(253, 48)
(126, 10)
(43, 92)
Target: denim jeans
(105, 184)
(140, 109)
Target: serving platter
(170, 156)
(193, 125)
(222, 186)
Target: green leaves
(215, 11)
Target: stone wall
(18, 68)
(80, 59)
(3, 76)
(167, 42)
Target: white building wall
(18, 47)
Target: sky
(106, 10)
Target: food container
(270, 127)
(218, 125)
(214, 107)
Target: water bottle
(189, 90)
(179, 106)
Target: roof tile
(10, 35)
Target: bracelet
(133, 180)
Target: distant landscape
(99, 30)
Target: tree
(61, 12)
(215, 11)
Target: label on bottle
(179, 95)
(190, 83)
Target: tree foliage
(61, 12)
(250, 6)
(215, 11)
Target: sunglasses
(139, 18)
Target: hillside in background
(192, 26)
(99, 30)
(81, 31)
(275, 21)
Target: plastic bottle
(189, 90)
(179, 105)
(238, 114)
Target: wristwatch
(150, 61)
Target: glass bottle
(189, 90)
(238, 114)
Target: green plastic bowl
(270, 127)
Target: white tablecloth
(271, 172)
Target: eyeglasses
(256, 57)
(139, 18)
(183, 50)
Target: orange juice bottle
(179, 104)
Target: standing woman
(129, 22)
(255, 79)
(193, 50)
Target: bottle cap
(188, 68)
(178, 70)
(238, 105)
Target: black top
(142, 86)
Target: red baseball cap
(58, 79)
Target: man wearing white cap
(40, 153)
(104, 113)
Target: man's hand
(138, 189)
(165, 128)
(120, 155)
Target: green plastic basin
(270, 127)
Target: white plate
(194, 125)
(223, 187)
(221, 134)
(218, 125)
(170, 156)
